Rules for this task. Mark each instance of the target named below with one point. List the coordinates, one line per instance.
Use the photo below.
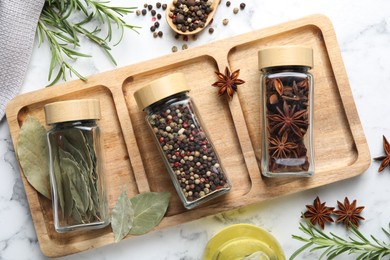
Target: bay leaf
(122, 216)
(74, 136)
(76, 215)
(59, 184)
(149, 209)
(75, 142)
(33, 154)
(68, 200)
(76, 153)
(78, 187)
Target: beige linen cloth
(18, 22)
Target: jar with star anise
(187, 151)
(287, 97)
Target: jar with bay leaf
(79, 197)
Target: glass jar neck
(290, 68)
(90, 122)
(157, 106)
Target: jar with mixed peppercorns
(183, 142)
(287, 90)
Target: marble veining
(362, 30)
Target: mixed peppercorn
(188, 150)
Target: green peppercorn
(235, 10)
(174, 49)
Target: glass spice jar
(186, 149)
(287, 91)
(79, 197)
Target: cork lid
(160, 89)
(285, 56)
(72, 110)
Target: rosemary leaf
(62, 22)
(335, 246)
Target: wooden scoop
(214, 5)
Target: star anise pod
(295, 93)
(227, 83)
(318, 213)
(348, 213)
(280, 147)
(385, 158)
(288, 119)
(278, 85)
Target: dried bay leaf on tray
(149, 209)
(33, 154)
(122, 216)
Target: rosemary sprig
(62, 22)
(335, 245)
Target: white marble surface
(363, 31)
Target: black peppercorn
(242, 6)
(160, 34)
(159, 16)
(228, 3)
(211, 30)
(156, 24)
(164, 6)
(152, 28)
(150, 7)
(158, 4)
(153, 12)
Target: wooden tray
(132, 159)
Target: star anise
(288, 120)
(280, 147)
(227, 83)
(348, 213)
(318, 213)
(385, 158)
(295, 93)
